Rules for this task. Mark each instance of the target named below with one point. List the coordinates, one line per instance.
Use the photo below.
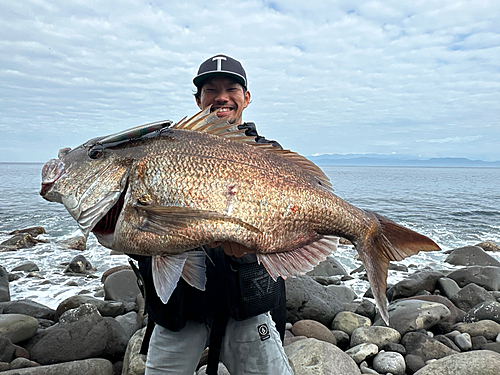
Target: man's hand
(231, 248)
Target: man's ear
(247, 99)
(198, 102)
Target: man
(233, 312)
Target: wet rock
(313, 329)
(306, 299)
(81, 333)
(412, 314)
(348, 321)
(379, 336)
(389, 362)
(314, 357)
(489, 310)
(106, 308)
(26, 267)
(488, 246)
(471, 295)
(482, 362)
(329, 267)
(426, 347)
(464, 342)
(17, 327)
(34, 231)
(20, 241)
(94, 366)
(487, 277)
(448, 287)
(75, 243)
(4, 285)
(362, 351)
(7, 349)
(79, 265)
(413, 284)
(134, 363)
(471, 256)
(28, 307)
(487, 328)
(121, 286)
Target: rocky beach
(443, 320)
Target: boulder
(17, 327)
(426, 347)
(487, 328)
(4, 285)
(362, 351)
(314, 357)
(348, 321)
(81, 333)
(329, 267)
(448, 287)
(20, 241)
(413, 284)
(343, 293)
(94, 366)
(488, 246)
(134, 363)
(28, 307)
(471, 256)
(121, 286)
(412, 314)
(488, 310)
(389, 362)
(7, 349)
(486, 276)
(79, 265)
(106, 308)
(471, 295)
(27, 267)
(306, 299)
(130, 322)
(366, 308)
(379, 336)
(313, 329)
(456, 314)
(413, 363)
(482, 362)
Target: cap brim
(201, 78)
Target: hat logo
(219, 62)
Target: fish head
(88, 180)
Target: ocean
(453, 206)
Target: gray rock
(412, 314)
(130, 322)
(487, 328)
(488, 246)
(306, 299)
(448, 287)
(94, 366)
(106, 308)
(343, 293)
(379, 336)
(7, 349)
(394, 347)
(329, 267)
(22, 362)
(121, 286)
(313, 329)
(487, 277)
(79, 265)
(489, 310)
(471, 256)
(413, 363)
(366, 308)
(478, 342)
(448, 342)
(348, 321)
(20, 241)
(471, 295)
(342, 339)
(482, 362)
(426, 347)
(34, 231)
(28, 307)
(362, 351)
(18, 327)
(413, 284)
(463, 341)
(26, 267)
(314, 357)
(4, 285)
(81, 333)
(134, 363)
(392, 362)
(493, 346)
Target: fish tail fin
(387, 241)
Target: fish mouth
(105, 228)
(52, 171)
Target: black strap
(215, 342)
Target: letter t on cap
(219, 62)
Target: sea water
(453, 206)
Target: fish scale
(203, 181)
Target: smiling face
(226, 96)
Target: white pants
(251, 346)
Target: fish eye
(95, 151)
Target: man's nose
(222, 96)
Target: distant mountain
(397, 161)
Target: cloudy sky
(406, 77)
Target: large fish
(163, 190)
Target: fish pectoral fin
(194, 272)
(167, 270)
(298, 261)
(164, 220)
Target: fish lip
(52, 171)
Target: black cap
(220, 64)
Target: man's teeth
(224, 109)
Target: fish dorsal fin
(207, 122)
